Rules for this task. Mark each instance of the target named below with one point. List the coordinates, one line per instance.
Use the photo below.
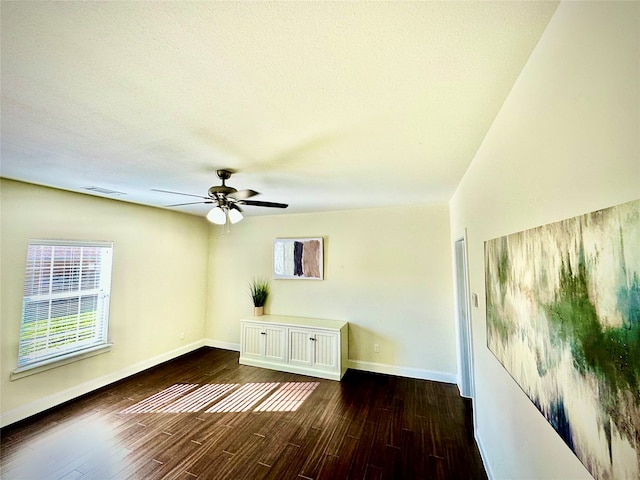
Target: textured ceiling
(324, 106)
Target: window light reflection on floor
(187, 398)
(288, 397)
(155, 401)
(198, 399)
(243, 399)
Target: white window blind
(66, 299)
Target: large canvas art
(563, 318)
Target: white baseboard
(223, 345)
(42, 404)
(409, 372)
(483, 455)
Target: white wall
(566, 142)
(387, 272)
(159, 284)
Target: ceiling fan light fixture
(216, 215)
(234, 215)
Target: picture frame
(298, 258)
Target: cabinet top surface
(298, 321)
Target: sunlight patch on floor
(199, 399)
(231, 397)
(155, 401)
(243, 399)
(288, 397)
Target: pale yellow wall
(387, 272)
(566, 142)
(158, 284)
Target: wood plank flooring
(369, 426)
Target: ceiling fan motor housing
(221, 190)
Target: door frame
(463, 319)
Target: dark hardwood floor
(369, 426)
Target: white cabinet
(309, 346)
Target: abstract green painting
(563, 318)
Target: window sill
(58, 362)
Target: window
(65, 308)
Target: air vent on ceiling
(104, 191)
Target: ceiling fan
(227, 200)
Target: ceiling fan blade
(242, 194)
(189, 203)
(257, 203)
(178, 193)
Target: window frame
(49, 283)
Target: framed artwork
(563, 318)
(298, 258)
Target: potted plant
(259, 290)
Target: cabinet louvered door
(325, 353)
(275, 346)
(300, 347)
(252, 341)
